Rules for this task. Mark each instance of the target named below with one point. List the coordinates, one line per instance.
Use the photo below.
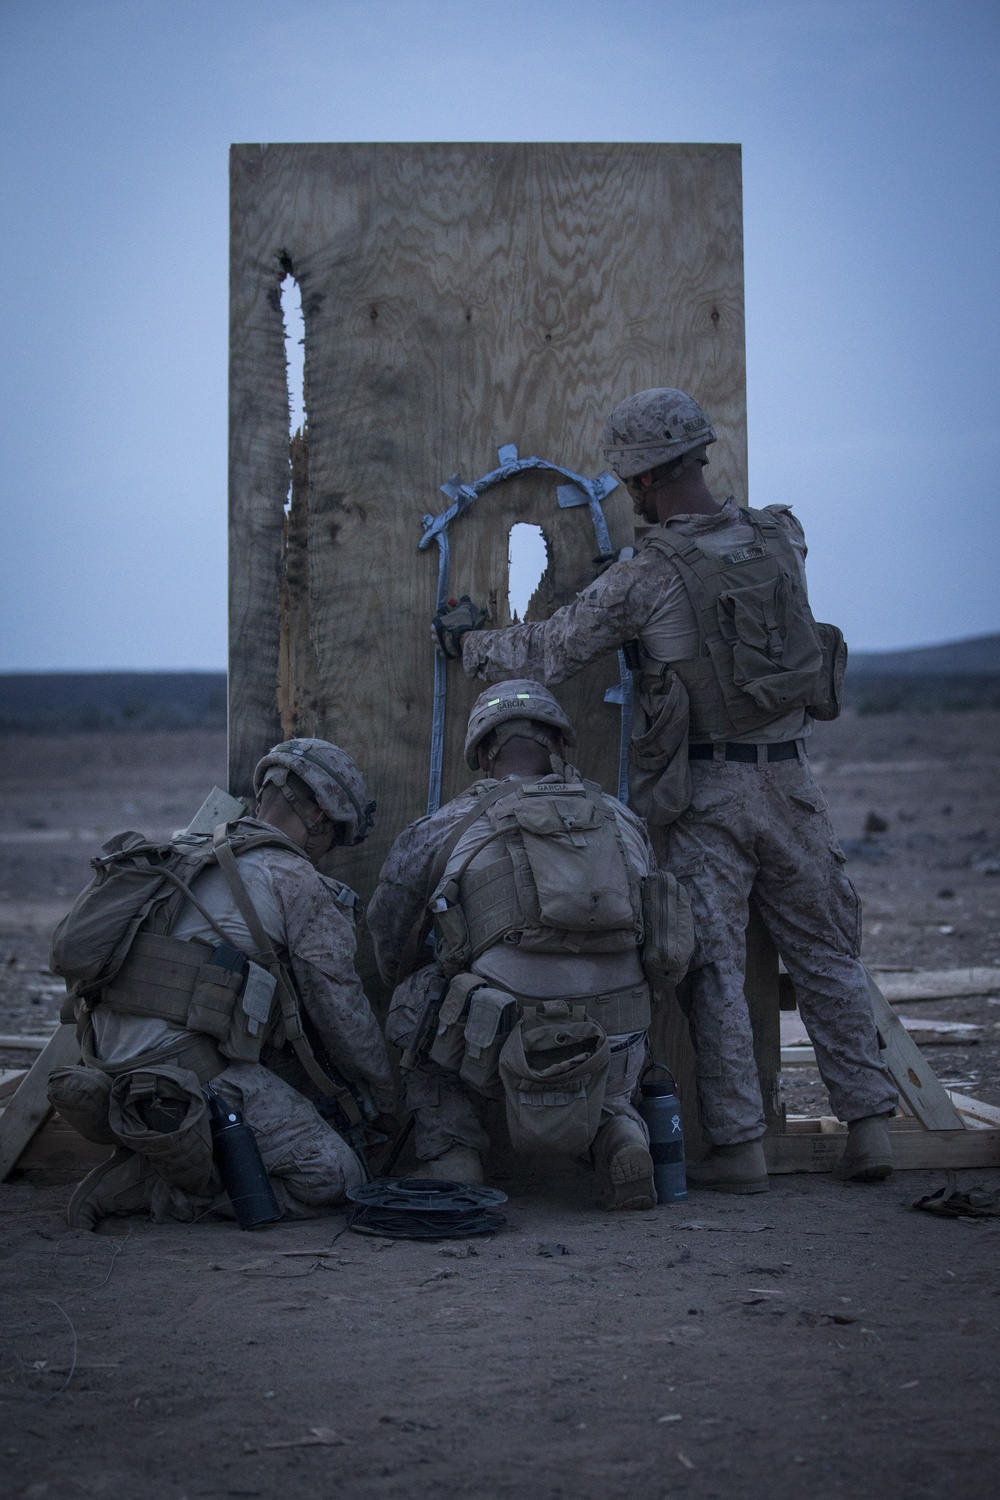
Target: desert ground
(823, 1341)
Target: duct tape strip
(579, 491)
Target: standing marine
(225, 962)
(729, 667)
(548, 919)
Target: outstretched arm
(607, 614)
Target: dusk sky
(870, 170)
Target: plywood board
(912, 1150)
(455, 298)
(28, 1107)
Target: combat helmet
(332, 777)
(515, 701)
(653, 427)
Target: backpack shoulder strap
(289, 1000)
(421, 926)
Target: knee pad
(161, 1114)
(82, 1096)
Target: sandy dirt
(823, 1340)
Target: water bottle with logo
(661, 1110)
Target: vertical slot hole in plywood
(295, 356)
(527, 559)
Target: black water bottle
(238, 1159)
(661, 1110)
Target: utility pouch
(492, 1016)
(776, 652)
(554, 1067)
(448, 1045)
(829, 689)
(451, 930)
(668, 924)
(250, 1016)
(578, 869)
(215, 991)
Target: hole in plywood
(295, 353)
(527, 559)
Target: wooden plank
(974, 1109)
(58, 1153)
(939, 984)
(924, 1095)
(13, 1042)
(913, 1150)
(455, 297)
(28, 1108)
(10, 1080)
(763, 1002)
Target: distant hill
(66, 702)
(958, 675)
(979, 655)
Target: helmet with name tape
(652, 428)
(508, 702)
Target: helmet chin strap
(524, 729)
(279, 777)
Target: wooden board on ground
(938, 984)
(914, 1148)
(28, 1108)
(923, 1093)
(455, 298)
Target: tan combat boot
(120, 1186)
(460, 1164)
(624, 1166)
(868, 1154)
(731, 1169)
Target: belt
(748, 754)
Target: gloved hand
(448, 626)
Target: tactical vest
(561, 880)
(115, 950)
(760, 650)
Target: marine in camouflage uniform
(516, 733)
(727, 654)
(311, 797)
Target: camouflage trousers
(298, 1147)
(447, 1113)
(765, 830)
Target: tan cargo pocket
(554, 1068)
(668, 925)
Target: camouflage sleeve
(398, 902)
(321, 944)
(601, 619)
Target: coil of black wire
(418, 1208)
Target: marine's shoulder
(783, 516)
(424, 836)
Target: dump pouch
(554, 1067)
(668, 923)
(829, 691)
(491, 1018)
(143, 1102)
(659, 781)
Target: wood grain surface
(455, 298)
